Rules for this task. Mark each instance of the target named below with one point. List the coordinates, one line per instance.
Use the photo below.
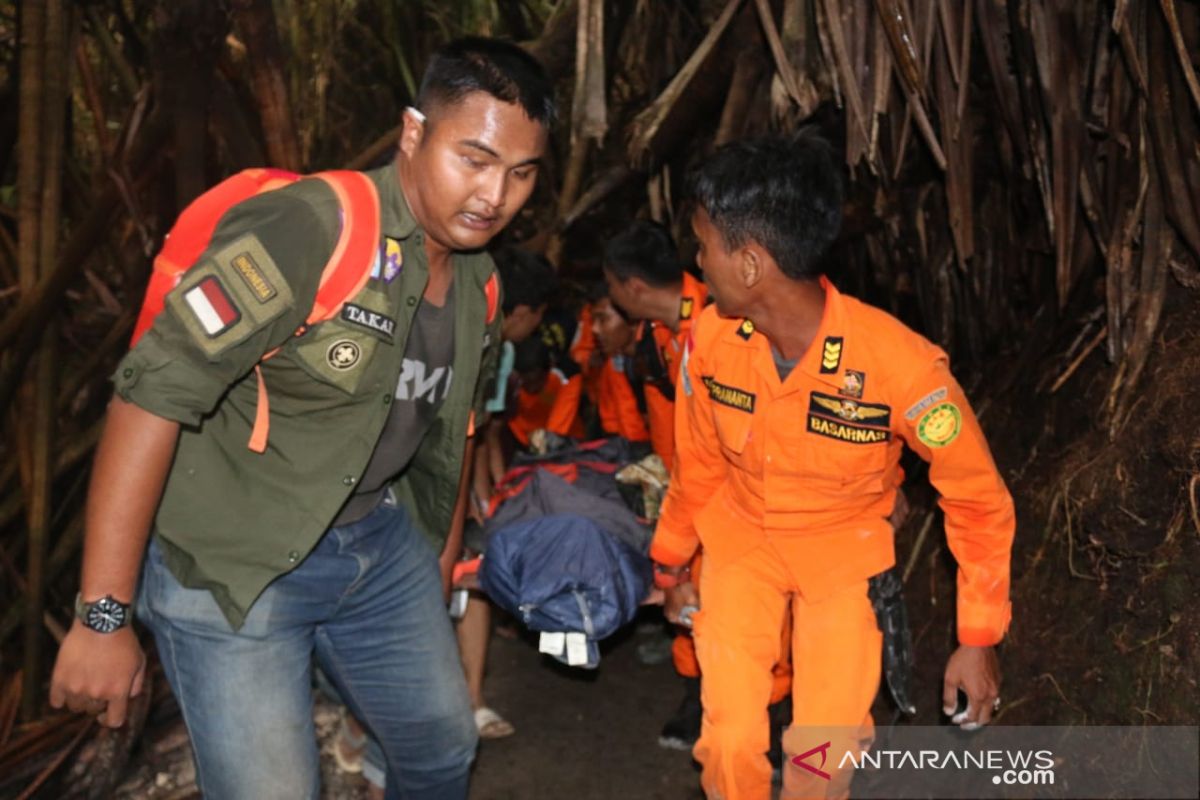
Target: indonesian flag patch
(209, 301)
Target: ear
(752, 261)
(412, 131)
(636, 285)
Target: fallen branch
(1079, 359)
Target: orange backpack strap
(357, 247)
(344, 275)
(491, 291)
(193, 230)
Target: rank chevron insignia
(831, 355)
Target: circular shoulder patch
(939, 426)
(343, 354)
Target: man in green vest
(328, 541)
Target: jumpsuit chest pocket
(845, 444)
(733, 429)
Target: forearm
(130, 470)
(453, 548)
(481, 479)
(495, 450)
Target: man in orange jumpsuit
(795, 402)
(547, 397)
(647, 282)
(615, 338)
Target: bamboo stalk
(40, 501)
(646, 124)
(257, 22)
(841, 58)
(27, 320)
(783, 67)
(589, 119)
(94, 102)
(1167, 147)
(1185, 59)
(33, 44)
(70, 540)
(113, 51)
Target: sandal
(491, 725)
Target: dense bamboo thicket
(1024, 183)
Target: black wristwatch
(105, 615)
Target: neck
(789, 315)
(665, 303)
(437, 254)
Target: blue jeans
(368, 602)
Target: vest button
(387, 399)
(293, 557)
(348, 480)
(127, 372)
(412, 301)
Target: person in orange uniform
(546, 397)
(647, 282)
(795, 403)
(615, 339)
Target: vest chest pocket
(338, 351)
(337, 354)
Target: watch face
(106, 615)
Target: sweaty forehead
(481, 117)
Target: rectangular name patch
(729, 396)
(209, 301)
(848, 420)
(371, 320)
(936, 396)
(253, 277)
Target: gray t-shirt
(783, 366)
(424, 383)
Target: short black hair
(644, 250)
(531, 354)
(597, 291)
(783, 193)
(528, 278)
(499, 68)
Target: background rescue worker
(546, 397)
(646, 281)
(794, 405)
(328, 541)
(615, 337)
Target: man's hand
(976, 671)
(678, 598)
(97, 673)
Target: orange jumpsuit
(555, 408)
(616, 403)
(581, 350)
(660, 411)
(788, 486)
